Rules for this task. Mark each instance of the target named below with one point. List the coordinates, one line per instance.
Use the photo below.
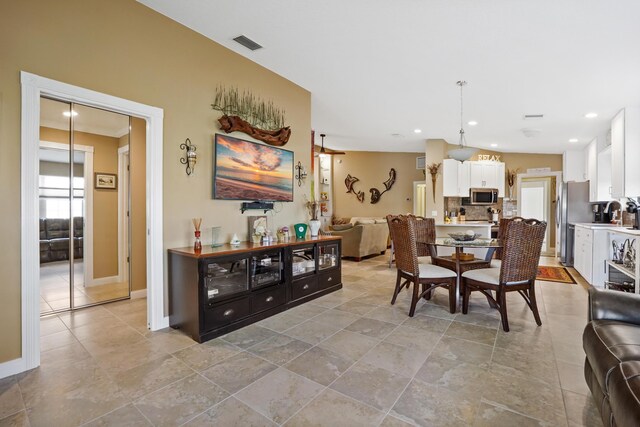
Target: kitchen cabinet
(590, 254)
(459, 177)
(573, 166)
(592, 169)
(603, 189)
(455, 178)
(625, 152)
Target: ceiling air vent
(532, 116)
(247, 42)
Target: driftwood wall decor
(349, 181)
(434, 168)
(251, 115)
(376, 194)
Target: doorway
(81, 249)
(537, 199)
(419, 198)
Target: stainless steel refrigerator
(574, 207)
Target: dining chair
(426, 229)
(428, 277)
(502, 228)
(522, 245)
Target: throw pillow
(341, 227)
(365, 221)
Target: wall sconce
(191, 157)
(301, 174)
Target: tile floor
(348, 359)
(54, 288)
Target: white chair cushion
(424, 260)
(485, 275)
(496, 263)
(430, 271)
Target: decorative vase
(257, 238)
(314, 226)
(197, 245)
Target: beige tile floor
(347, 359)
(54, 288)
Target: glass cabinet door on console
(225, 278)
(328, 256)
(303, 261)
(266, 269)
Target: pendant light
(322, 151)
(463, 152)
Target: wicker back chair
(522, 245)
(425, 232)
(410, 271)
(502, 229)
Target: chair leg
(396, 291)
(534, 304)
(414, 298)
(452, 296)
(465, 294)
(502, 298)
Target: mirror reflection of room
(89, 204)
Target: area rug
(554, 274)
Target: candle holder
(197, 245)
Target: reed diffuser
(197, 245)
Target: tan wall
(105, 202)
(167, 66)
(138, 235)
(372, 168)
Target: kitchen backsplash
(473, 213)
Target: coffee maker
(599, 214)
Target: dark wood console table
(222, 289)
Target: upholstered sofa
(611, 342)
(362, 236)
(54, 239)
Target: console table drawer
(327, 280)
(261, 301)
(223, 314)
(303, 287)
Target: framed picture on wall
(105, 181)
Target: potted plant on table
(314, 224)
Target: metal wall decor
(349, 181)
(190, 157)
(377, 194)
(301, 174)
(251, 115)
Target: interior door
(535, 203)
(419, 198)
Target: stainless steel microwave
(482, 196)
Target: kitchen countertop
(608, 227)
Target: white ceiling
(88, 119)
(379, 67)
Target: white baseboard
(102, 281)
(12, 367)
(142, 293)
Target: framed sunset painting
(245, 170)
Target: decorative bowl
(463, 237)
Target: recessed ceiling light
(417, 130)
(591, 115)
(573, 140)
(68, 113)
(494, 145)
(472, 123)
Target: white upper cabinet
(592, 169)
(604, 175)
(455, 178)
(458, 177)
(625, 152)
(573, 166)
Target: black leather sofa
(54, 239)
(611, 341)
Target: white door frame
(415, 196)
(558, 176)
(123, 223)
(87, 235)
(34, 86)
